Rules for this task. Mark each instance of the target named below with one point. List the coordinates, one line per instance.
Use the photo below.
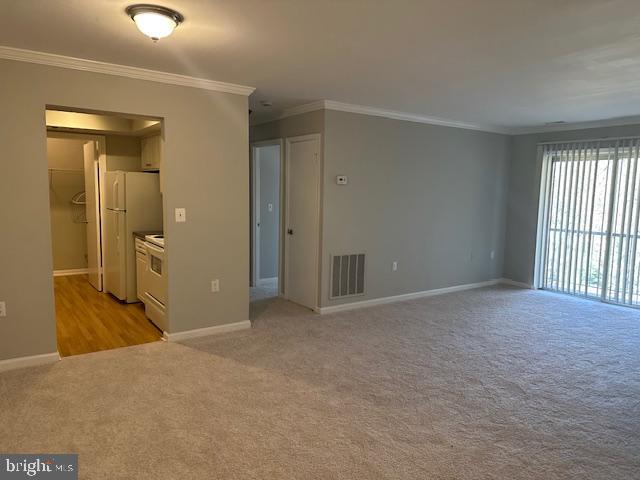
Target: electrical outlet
(181, 215)
(215, 286)
(394, 266)
(493, 254)
(3, 309)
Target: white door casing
(302, 225)
(92, 195)
(255, 248)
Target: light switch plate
(3, 309)
(215, 286)
(342, 180)
(181, 215)
(270, 207)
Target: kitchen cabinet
(151, 153)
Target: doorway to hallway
(266, 219)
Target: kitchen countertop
(143, 234)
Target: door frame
(289, 141)
(255, 211)
(541, 229)
(97, 198)
(542, 232)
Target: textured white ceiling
(504, 63)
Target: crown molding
(300, 109)
(291, 111)
(379, 112)
(54, 60)
(608, 122)
(410, 117)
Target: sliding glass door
(589, 220)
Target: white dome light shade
(154, 25)
(154, 21)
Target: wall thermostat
(342, 180)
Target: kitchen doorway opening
(266, 219)
(106, 214)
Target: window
(589, 219)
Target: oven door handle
(153, 249)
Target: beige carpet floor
(496, 383)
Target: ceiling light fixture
(154, 21)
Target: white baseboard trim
(205, 332)
(406, 296)
(73, 271)
(30, 361)
(513, 283)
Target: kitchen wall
(431, 198)
(65, 157)
(269, 220)
(524, 190)
(66, 179)
(123, 153)
(206, 166)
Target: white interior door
(302, 219)
(92, 193)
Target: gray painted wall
(467, 192)
(303, 124)
(431, 198)
(206, 172)
(269, 158)
(524, 189)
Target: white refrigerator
(132, 203)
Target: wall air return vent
(347, 275)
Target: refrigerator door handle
(117, 232)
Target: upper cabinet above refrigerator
(151, 153)
(151, 156)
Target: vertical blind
(590, 216)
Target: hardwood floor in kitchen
(90, 321)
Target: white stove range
(157, 240)
(156, 281)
